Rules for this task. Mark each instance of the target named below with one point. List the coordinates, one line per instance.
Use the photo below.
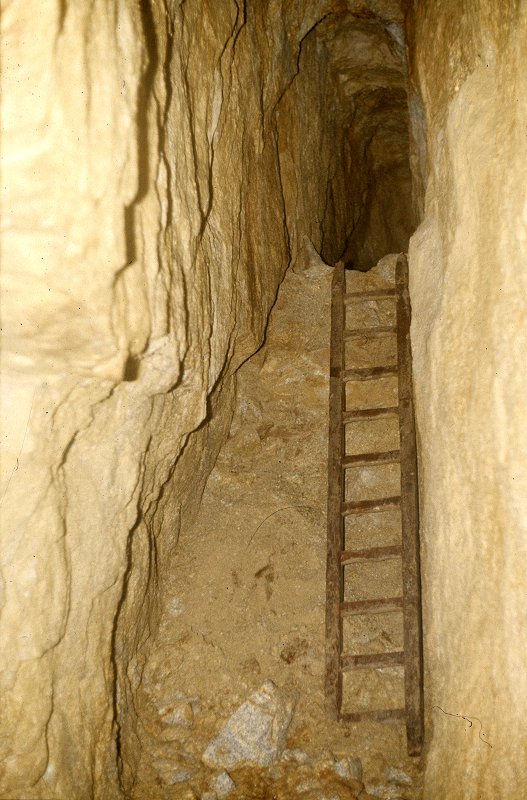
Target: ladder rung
(350, 296)
(374, 716)
(370, 506)
(369, 373)
(366, 459)
(369, 413)
(379, 330)
(373, 660)
(371, 554)
(386, 605)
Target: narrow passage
(246, 601)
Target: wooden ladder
(339, 508)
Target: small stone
(325, 761)
(224, 785)
(209, 796)
(179, 713)
(255, 733)
(175, 607)
(171, 773)
(298, 756)
(355, 768)
(394, 775)
(181, 777)
(342, 768)
(378, 791)
(174, 770)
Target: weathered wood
(369, 413)
(372, 661)
(370, 373)
(385, 605)
(410, 521)
(388, 715)
(371, 554)
(370, 459)
(369, 506)
(335, 523)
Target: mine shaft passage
(179, 180)
(368, 210)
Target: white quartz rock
(224, 785)
(394, 775)
(255, 733)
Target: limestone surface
(469, 337)
(162, 164)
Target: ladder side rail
(413, 635)
(335, 521)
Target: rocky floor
(244, 611)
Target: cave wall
(144, 234)
(311, 144)
(384, 219)
(469, 299)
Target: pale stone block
(255, 733)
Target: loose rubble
(253, 742)
(250, 590)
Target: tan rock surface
(143, 240)
(469, 296)
(160, 170)
(245, 597)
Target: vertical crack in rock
(117, 651)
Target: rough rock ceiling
(366, 52)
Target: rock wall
(146, 226)
(245, 597)
(469, 296)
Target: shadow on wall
(384, 219)
(369, 209)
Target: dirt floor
(247, 598)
